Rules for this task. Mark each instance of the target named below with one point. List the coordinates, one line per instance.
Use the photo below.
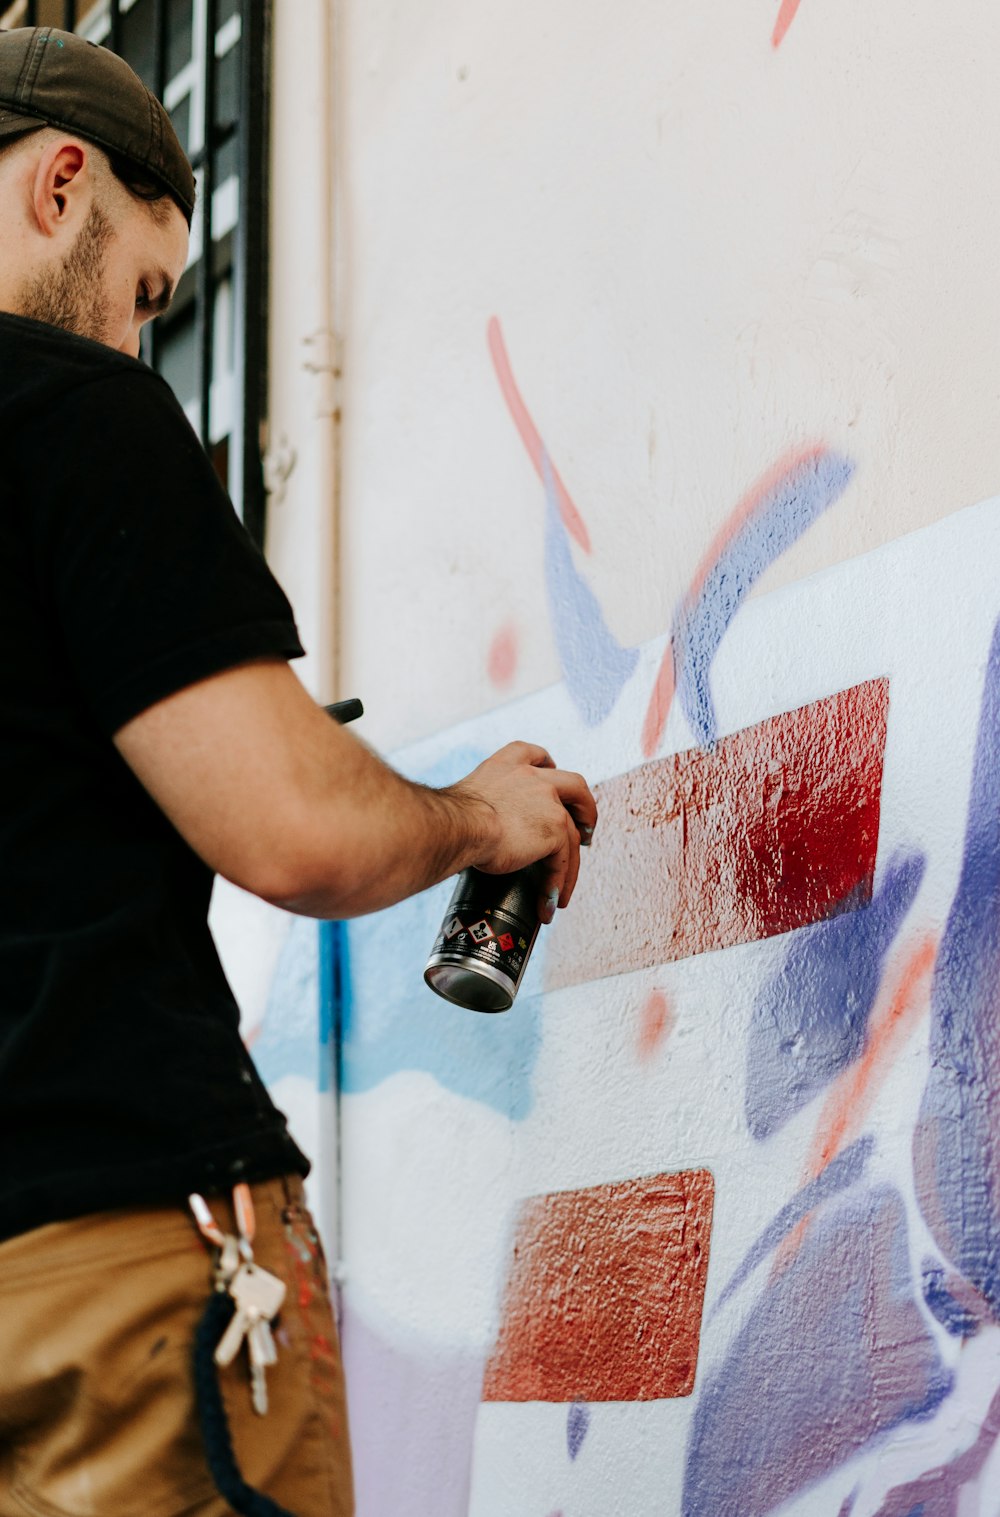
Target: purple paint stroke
(834, 1353)
(420, 1400)
(845, 1170)
(956, 1144)
(938, 1492)
(848, 1505)
(780, 517)
(595, 666)
(946, 1295)
(577, 1427)
(810, 1020)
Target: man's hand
(287, 804)
(542, 813)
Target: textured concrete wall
(670, 354)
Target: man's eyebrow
(158, 304)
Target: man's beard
(72, 296)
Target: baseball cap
(54, 78)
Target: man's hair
(142, 187)
(139, 185)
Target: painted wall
(763, 1040)
(670, 361)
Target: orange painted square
(604, 1293)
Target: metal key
(258, 1296)
(258, 1337)
(227, 1263)
(229, 1344)
(267, 1349)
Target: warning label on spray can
(480, 954)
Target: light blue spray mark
(595, 666)
(778, 520)
(577, 1427)
(291, 1038)
(840, 1173)
(391, 1021)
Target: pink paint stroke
(501, 661)
(664, 685)
(656, 1023)
(786, 16)
(530, 436)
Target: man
(151, 733)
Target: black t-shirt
(124, 576)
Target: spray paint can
(481, 952)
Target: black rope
(214, 1422)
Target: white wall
(703, 251)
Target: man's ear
(61, 187)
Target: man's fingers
(573, 865)
(576, 796)
(553, 873)
(520, 752)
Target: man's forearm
(277, 798)
(383, 838)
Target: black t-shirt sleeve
(154, 582)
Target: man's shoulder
(40, 365)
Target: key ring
(246, 1220)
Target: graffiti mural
(708, 1224)
(723, 1184)
(726, 1166)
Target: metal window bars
(228, 260)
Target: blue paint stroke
(843, 1171)
(391, 1021)
(777, 521)
(595, 666)
(289, 1041)
(811, 1019)
(330, 948)
(834, 1353)
(577, 1427)
(957, 1140)
(959, 1320)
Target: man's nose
(131, 344)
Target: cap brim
(12, 125)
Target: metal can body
(481, 952)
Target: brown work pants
(97, 1411)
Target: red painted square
(773, 828)
(605, 1291)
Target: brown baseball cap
(53, 78)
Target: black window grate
(212, 344)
